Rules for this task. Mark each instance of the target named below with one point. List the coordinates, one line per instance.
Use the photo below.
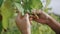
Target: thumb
(26, 16)
(19, 15)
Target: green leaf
(1, 1)
(7, 11)
(26, 5)
(36, 4)
(19, 7)
(46, 6)
(47, 2)
(18, 1)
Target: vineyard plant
(8, 13)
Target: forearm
(54, 24)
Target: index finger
(36, 11)
(19, 15)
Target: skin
(48, 20)
(23, 23)
(43, 18)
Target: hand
(46, 19)
(23, 23)
(43, 17)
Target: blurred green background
(8, 25)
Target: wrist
(48, 19)
(48, 22)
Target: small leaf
(36, 4)
(19, 7)
(47, 2)
(1, 1)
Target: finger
(19, 15)
(31, 22)
(39, 11)
(40, 20)
(35, 17)
(30, 16)
(26, 16)
(30, 19)
(36, 11)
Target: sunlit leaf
(47, 2)
(7, 12)
(18, 1)
(1, 1)
(20, 8)
(36, 4)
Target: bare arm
(54, 24)
(46, 19)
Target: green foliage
(0, 26)
(47, 2)
(18, 1)
(20, 8)
(46, 6)
(1, 1)
(32, 4)
(38, 28)
(36, 4)
(28, 5)
(7, 12)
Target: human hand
(42, 16)
(23, 23)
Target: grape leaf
(18, 1)
(36, 4)
(47, 2)
(20, 8)
(1, 1)
(26, 6)
(31, 4)
(7, 11)
(46, 7)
